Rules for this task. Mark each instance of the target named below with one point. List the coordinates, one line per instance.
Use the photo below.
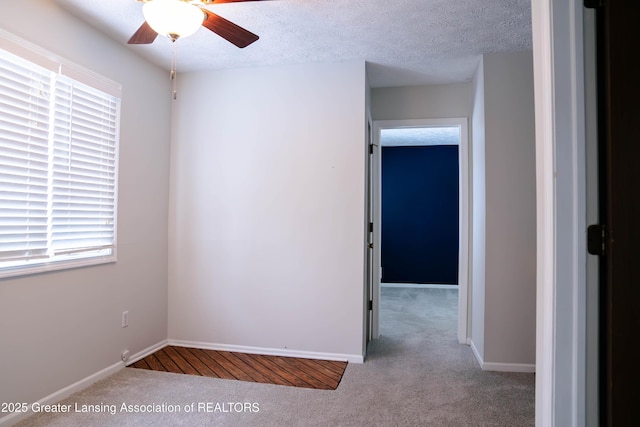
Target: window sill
(59, 265)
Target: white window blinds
(83, 178)
(58, 166)
(24, 158)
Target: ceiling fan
(181, 18)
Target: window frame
(58, 65)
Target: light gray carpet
(416, 374)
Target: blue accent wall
(420, 214)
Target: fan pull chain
(173, 75)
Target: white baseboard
(64, 393)
(509, 367)
(353, 358)
(147, 351)
(476, 353)
(418, 285)
(501, 367)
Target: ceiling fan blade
(144, 35)
(225, 1)
(228, 30)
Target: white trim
(353, 358)
(476, 353)
(64, 393)
(501, 367)
(509, 367)
(542, 33)
(146, 352)
(376, 184)
(464, 173)
(371, 156)
(58, 265)
(464, 206)
(558, 48)
(418, 286)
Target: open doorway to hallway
(421, 194)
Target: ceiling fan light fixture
(173, 18)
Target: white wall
(505, 338)
(58, 328)
(267, 220)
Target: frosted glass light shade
(172, 18)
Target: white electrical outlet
(125, 319)
(125, 355)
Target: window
(58, 167)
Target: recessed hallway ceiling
(420, 136)
(405, 42)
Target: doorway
(420, 207)
(412, 133)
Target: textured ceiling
(449, 135)
(405, 42)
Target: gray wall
(421, 102)
(506, 341)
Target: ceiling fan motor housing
(167, 21)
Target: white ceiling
(405, 42)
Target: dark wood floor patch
(291, 371)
